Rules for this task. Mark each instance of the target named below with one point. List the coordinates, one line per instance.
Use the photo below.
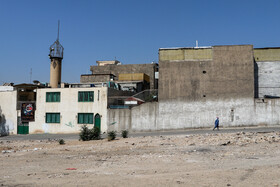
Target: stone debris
(185, 158)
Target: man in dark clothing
(216, 123)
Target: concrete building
(65, 110)
(267, 72)
(28, 109)
(198, 84)
(237, 83)
(112, 70)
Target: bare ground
(232, 159)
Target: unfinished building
(138, 76)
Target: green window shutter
(52, 117)
(86, 96)
(80, 118)
(91, 96)
(85, 118)
(47, 97)
(53, 97)
(48, 118)
(90, 118)
(58, 97)
(80, 96)
(58, 118)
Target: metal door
(97, 121)
(23, 127)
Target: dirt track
(232, 159)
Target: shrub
(125, 133)
(111, 135)
(61, 141)
(95, 133)
(85, 133)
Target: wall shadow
(4, 130)
(256, 80)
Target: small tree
(125, 133)
(111, 135)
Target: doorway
(97, 122)
(22, 127)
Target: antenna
(30, 75)
(58, 31)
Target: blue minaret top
(56, 49)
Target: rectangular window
(85, 118)
(52, 117)
(85, 96)
(53, 97)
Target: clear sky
(131, 31)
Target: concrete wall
(267, 72)
(267, 112)
(148, 69)
(182, 115)
(140, 118)
(8, 112)
(268, 79)
(186, 54)
(267, 54)
(230, 74)
(69, 107)
(95, 78)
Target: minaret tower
(56, 56)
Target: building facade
(196, 85)
(237, 83)
(113, 70)
(55, 110)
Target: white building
(65, 110)
(56, 110)
(8, 112)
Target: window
(85, 96)
(53, 97)
(85, 118)
(52, 117)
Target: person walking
(216, 123)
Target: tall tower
(56, 56)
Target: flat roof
(268, 48)
(201, 47)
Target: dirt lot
(231, 159)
